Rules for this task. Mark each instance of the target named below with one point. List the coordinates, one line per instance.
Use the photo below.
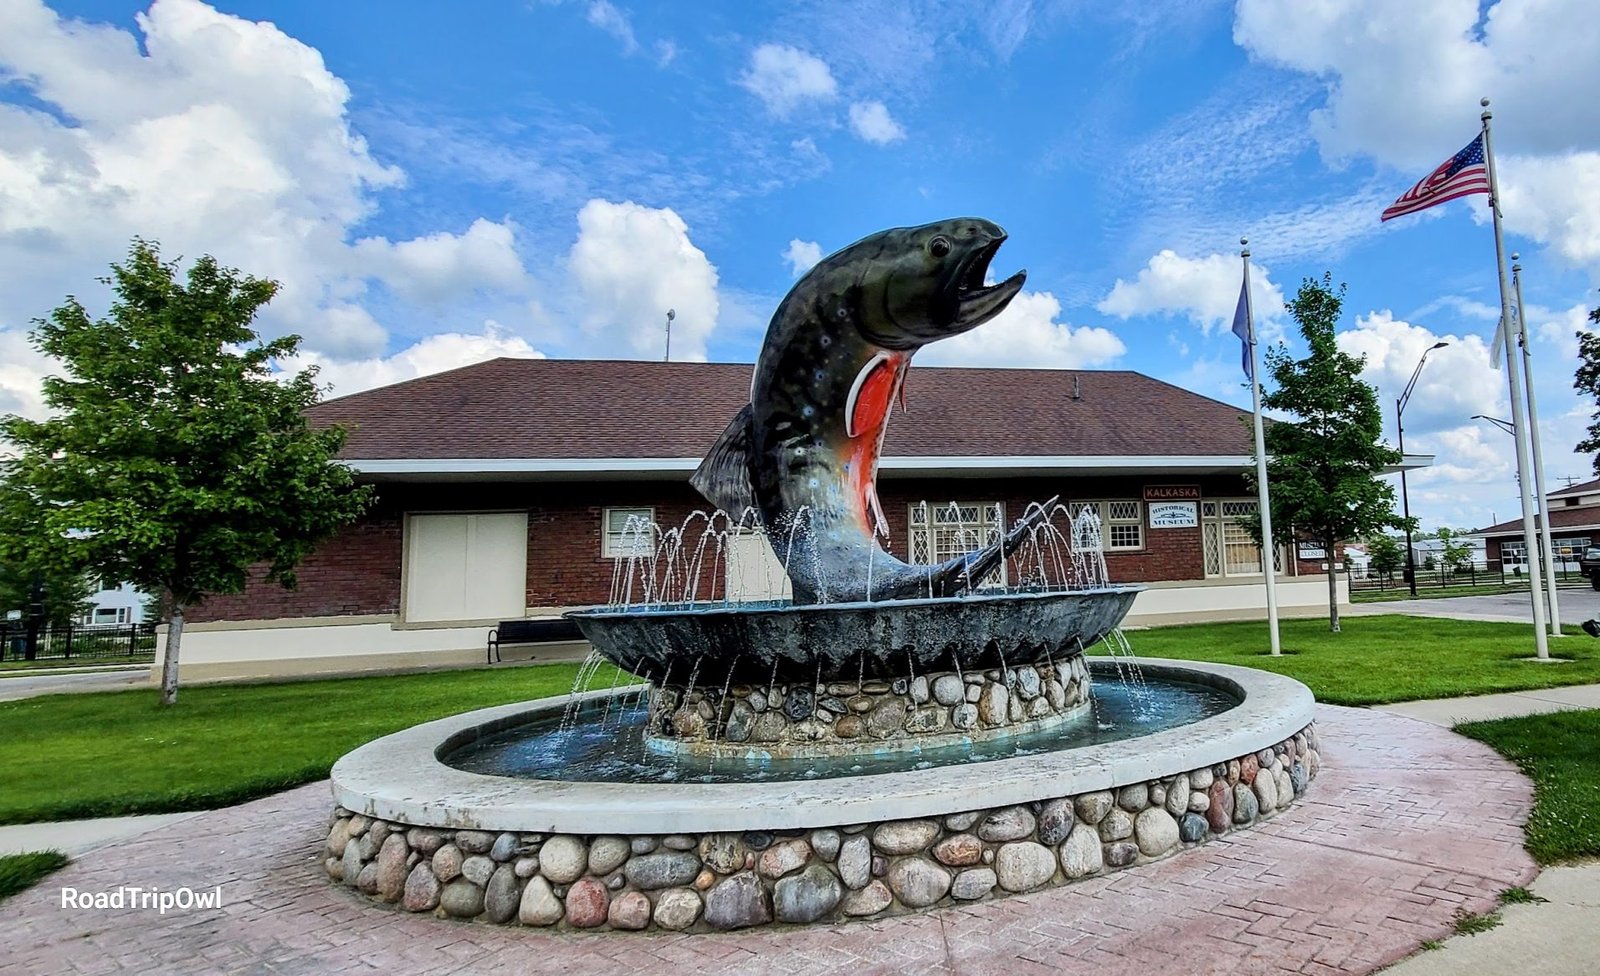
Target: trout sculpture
(804, 452)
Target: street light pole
(1400, 432)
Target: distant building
(114, 603)
(1424, 550)
(1574, 526)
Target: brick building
(1574, 526)
(504, 489)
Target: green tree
(36, 588)
(1324, 463)
(1455, 551)
(175, 457)
(1387, 555)
(1587, 381)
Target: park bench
(541, 630)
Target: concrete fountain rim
(400, 778)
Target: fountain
(895, 737)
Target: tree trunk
(1333, 591)
(169, 659)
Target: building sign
(1173, 515)
(1311, 552)
(1171, 493)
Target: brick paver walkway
(1407, 824)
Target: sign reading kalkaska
(1171, 493)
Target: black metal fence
(122, 642)
(1436, 577)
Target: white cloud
(872, 122)
(434, 354)
(785, 77)
(1559, 328)
(214, 135)
(1554, 200)
(444, 266)
(221, 136)
(1027, 334)
(21, 366)
(605, 15)
(1403, 83)
(802, 255)
(629, 266)
(1456, 383)
(1205, 290)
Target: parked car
(1589, 565)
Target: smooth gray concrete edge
(400, 778)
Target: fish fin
(965, 572)
(724, 476)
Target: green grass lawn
(1363, 595)
(19, 872)
(1381, 659)
(91, 755)
(1561, 754)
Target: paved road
(1577, 604)
(29, 686)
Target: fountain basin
(756, 643)
(728, 855)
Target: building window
(1228, 548)
(627, 532)
(1513, 554)
(945, 530)
(1121, 522)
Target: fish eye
(939, 246)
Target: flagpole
(1545, 544)
(1519, 419)
(1268, 546)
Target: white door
(466, 567)
(754, 570)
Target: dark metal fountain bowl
(766, 641)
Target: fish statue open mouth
(803, 453)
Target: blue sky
(548, 177)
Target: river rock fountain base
(733, 880)
(864, 717)
(415, 832)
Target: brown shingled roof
(1577, 517)
(573, 408)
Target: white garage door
(466, 567)
(754, 570)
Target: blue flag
(1241, 328)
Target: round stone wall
(722, 881)
(789, 719)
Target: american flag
(1462, 174)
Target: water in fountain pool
(608, 746)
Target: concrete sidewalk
(1558, 937)
(77, 837)
(1450, 712)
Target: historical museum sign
(1173, 515)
